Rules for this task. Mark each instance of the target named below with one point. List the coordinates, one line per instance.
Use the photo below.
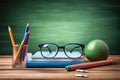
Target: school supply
(13, 42)
(19, 51)
(27, 31)
(50, 56)
(59, 61)
(88, 65)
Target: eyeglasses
(71, 50)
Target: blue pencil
(26, 32)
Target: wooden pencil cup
(21, 59)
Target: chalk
(81, 70)
(81, 75)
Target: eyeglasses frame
(60, 47)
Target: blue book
(60, 61)
(51, 64)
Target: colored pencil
(24, 48)
(26, 29)
(88, 65)
(26, 43)
(27, 37)
(13, 42)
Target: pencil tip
(28, 24)
(8, 27)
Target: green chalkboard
(60, 22)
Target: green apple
(96, 50)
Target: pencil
(26, 29)
(19, 49)
(27, 37)
(11, 35)
(26, 43)
(88, 65)
(13, 42)
(22, 55)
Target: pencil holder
(19, 58)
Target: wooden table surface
(109, 72)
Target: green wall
(61, 22)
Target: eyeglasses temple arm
(73, 49)
(46, 47)
(49, 49)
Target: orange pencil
(13, 42)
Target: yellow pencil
(13, 42)
(19, 49)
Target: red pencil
(88, 65)
(27, 37)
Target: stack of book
(59, 61)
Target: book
(51, 64)
(59, 61)
(59, 57)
